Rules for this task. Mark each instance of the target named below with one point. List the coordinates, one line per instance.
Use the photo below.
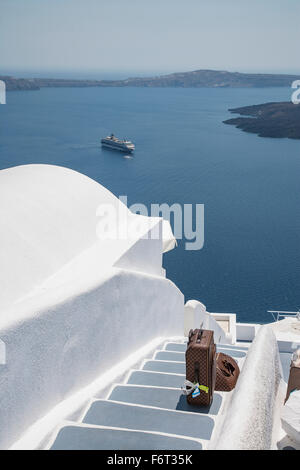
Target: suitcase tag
(198, 389)
(193, 388)
(196, 392)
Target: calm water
(250, 186)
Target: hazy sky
(150, 35)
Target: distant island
(195, 79)
(14, 84)
(269, 119)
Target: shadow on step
(170, 399)
(123, 415)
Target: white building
(93, 331)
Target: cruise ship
(93, 334)
(112, 142)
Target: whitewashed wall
(72, 305)
(75, 338)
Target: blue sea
(250, 186)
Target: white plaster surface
(76, 336)
(48, 221)
(246, 331)
(196, 316)
(230, 319)
(287, 330)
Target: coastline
(195, 79)
(276, 120)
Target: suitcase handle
(199, 336)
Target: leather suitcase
(227, 373)
(294, 377)
(201, 366)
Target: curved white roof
(47, 219)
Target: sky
(148, 36)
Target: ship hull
(120, 148)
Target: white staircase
(148, 410)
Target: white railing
(278, 314)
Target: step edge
(155, 372)
(162, 360)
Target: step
(179, 347)
(236, 347)
(168, 398)
(124, 415)
(158, 379)
(180, 356)
(165, 366)
(83, 437)
(169, 356)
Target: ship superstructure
(112, 142)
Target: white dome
(48, 219)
